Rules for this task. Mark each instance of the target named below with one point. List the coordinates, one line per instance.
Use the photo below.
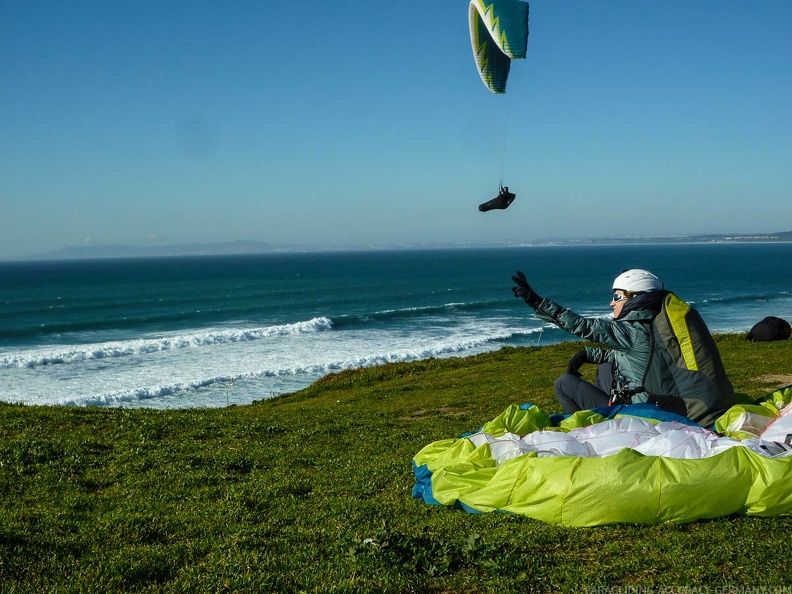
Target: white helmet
(636, 280)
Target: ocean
(217, 331)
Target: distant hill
(235, 248)
(129, 251)
(782, 236)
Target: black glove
(577, 362)
(524, 290)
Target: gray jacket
(627, 339)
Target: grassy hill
(310, 492)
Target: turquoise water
(205, 332)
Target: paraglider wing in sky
(498, 34)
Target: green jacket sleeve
(627, 340)
(619, 336)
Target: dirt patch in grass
(775, 378)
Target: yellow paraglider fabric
(739, 470)
(498, 34)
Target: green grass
(310, 492)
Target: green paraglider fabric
(520, 462)
(498, 34)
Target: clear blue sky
(359, 122)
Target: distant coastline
(239, 248)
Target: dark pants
(574, 393)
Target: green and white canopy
(631, 464)
(498, 34)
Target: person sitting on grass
(659, 351)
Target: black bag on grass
(771, 328)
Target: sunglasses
(617, 297)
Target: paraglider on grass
(633, 464)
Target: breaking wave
(302, 374)
(108, 350)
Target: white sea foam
(106, 350)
